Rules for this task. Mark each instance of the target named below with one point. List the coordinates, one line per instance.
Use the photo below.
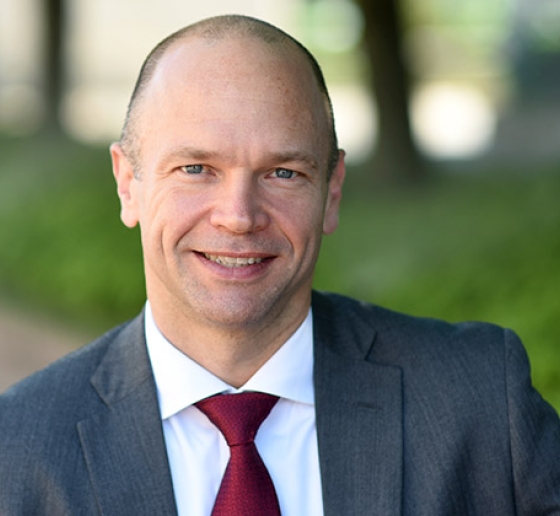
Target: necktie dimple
(246, 488)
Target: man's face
(232, 196)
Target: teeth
(231, 261)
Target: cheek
(169, 215)
(301, 220)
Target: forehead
(238, 88)
(239, 69)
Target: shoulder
(39, 416)
(39, 439)
(468, 361)
(467, 397)
(402, 332)
(421, 347)
(61, 391)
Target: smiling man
(239, 390)
(225, 164)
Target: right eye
(193, 169)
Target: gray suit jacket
(414, 417)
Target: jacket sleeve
(535, 438)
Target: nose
(239, 206)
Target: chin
(234, 319)
(239, 312)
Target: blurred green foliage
(62, 246)
(482, 246)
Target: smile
(232, 261)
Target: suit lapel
(359, 417)
(123, 443)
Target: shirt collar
(181, 382)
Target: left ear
(334, 195)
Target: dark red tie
(246, 489)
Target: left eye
(193, 169)
(284, 173)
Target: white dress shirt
(287, 439)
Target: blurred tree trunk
(397, 157)
(54, 62)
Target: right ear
(127, 186)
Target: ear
(127, 186)
(334, 195)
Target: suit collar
(123, 442)
(359, 414)
(125, 366)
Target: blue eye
(193, 169)
(284, 173)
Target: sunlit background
(467, 60)
(470, 230)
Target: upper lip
(235, 258)
(232, 257)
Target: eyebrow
(288, 156)
(185, 152)
(295, 156)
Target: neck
(232, 354)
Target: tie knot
(238, 416)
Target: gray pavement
(29, 343)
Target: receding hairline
(215, 29)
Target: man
(229, 164)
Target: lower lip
(246, 272)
